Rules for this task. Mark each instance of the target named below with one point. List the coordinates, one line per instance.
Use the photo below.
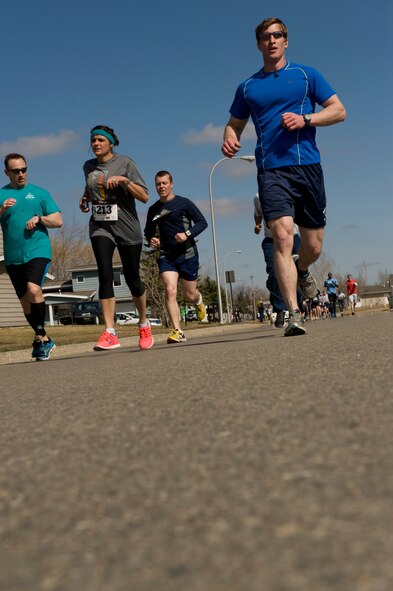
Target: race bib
(106, 212)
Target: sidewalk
(24, 355)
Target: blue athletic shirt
(266, 96)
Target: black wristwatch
(307, 120)
(39, 218)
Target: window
(117, 278)
(80, 278)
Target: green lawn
(14, 339)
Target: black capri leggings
(130, 255)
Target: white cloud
(224, 207)
(211, 134)
(41, 145)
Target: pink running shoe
(107, 341)
(146, 340)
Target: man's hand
(154, 242)
(181, 237)
(257, 228)
(7, 204)
(292, 122)
(230, 147)
(31, 224)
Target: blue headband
(104, 133)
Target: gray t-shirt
(126, 229)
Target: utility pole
(254, 311)
(364, 266)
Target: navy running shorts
(295, 191)
(187, 268)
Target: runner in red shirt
(352, 291)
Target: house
(83, 286)
(372, 296)
(11, 313)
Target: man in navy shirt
(178, 222)
(281, 100)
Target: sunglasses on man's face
(17, 170)
(275, 34)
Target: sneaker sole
(46, 356)
(146, 348)
(170, 341)
(99, 348)
(294, 331)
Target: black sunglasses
(276, 35)
(17, 170)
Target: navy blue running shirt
(266, 96)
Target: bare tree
(321, 268)
(70, 248)
(383, 277)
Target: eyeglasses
(275, 34)
(17, 170)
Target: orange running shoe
(107, 341)
(146, 340)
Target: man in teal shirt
(26, 211)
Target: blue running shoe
(45, 350)
(37, 350)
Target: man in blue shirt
(178, 221)
(281, 100)
(331, 286)
(26, 211)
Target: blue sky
(163, 75)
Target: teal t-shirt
(22, 245)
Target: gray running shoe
(280, 319)
(308, 286)
(295, 325)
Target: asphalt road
(241, 461)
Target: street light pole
(226, 291)
(217, 269)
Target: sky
(163, 76)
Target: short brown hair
(266, 24)
(13, 156)
(161, 173)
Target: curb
(24, 355)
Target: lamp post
(217, 269)
(226, 291)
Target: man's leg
(34, 301)
(170, 279)
(310, 247)
(285, 269)
(276, 299)
(191, 293)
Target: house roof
(63, 285)
(375, 291)
(92, 267)
(80, 295)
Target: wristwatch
(39, 218)
(188, 233)
(307, 120)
